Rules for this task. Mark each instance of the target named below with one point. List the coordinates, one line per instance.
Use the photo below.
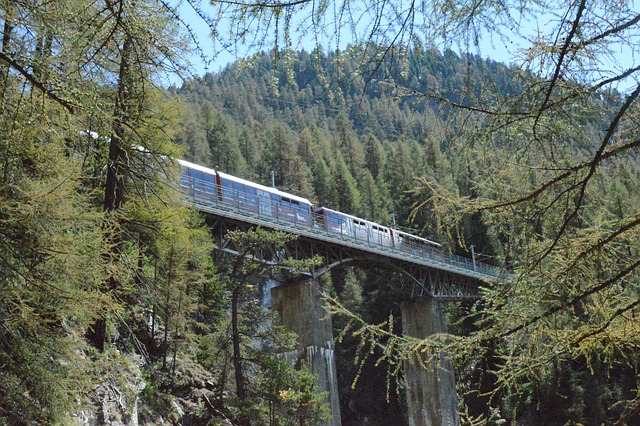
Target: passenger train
(209, 185)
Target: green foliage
(535, 164)
(291, 394)
(49, 240)
(74, 110)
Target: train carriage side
(198, 181)
(333, 221)
(239, 193)
(264, 200)
(380, 235)
(294, 209)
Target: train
(207, 185)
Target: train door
(264, 202)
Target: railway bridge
(429, 278)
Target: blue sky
(493, 49)
(507, 49)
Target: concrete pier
(431, 392)
(299, 307)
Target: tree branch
(68, 105)
(274, 5)
(563, 53)
(609, 32)
(623, 273)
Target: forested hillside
(348, 135)
(380, 138)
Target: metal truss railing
(232, 204)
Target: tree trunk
(165, 345)
(241, 391)
(4, 75)
(4, 68)
(153, 309)
(116, 169)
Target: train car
(363, 230)
(413, 244)
(297, 209)
(208, 185)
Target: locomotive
(211, 186)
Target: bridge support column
(299, 307)
(431, 392)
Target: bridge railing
(251, 206)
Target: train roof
(417, 237)
(269, 189)
(247, 182)
(190, 165)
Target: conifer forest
(116, 309)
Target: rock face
(299, 307)
(116, 398)
(431, 392)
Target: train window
(288, 202)
(381, 230)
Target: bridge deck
(437, 258)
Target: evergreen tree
(374, 157)
(347, 197)
(298, 178)
(373, 200)
(246, 323)
(193, 136)
(279, 151)
(323, 189)
(223, 145)
(350, 146)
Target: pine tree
(279, 151)
(223, 145)
(347, 197)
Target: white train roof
(402, 233)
